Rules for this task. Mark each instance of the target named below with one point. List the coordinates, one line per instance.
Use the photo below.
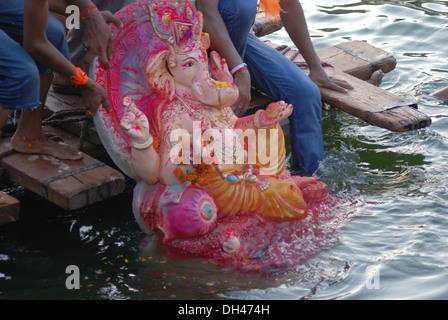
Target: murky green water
(392, 244)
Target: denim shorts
(19, 72)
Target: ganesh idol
(172, 129)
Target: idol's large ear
(205, 40)
(158, 76)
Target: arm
(97, 36)
(35, 42)
(145, 160)
(58, 6)
(263, 119)
(221, 42)
(294, 21)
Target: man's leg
(275, 75)
(29, 91)
(29, 137)
(239, 17)
(19, 79)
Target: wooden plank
(69, 184)
(9, 209)
(358, 60)
(375, 105)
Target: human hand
(135, 123)
(97, 37)
(93, 96)
(274, 113)
(242, 81)
(321, 79)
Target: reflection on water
(392, 246)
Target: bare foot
(376, 78)
(46, 146)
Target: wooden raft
(354, 62)
(72, 122)
(68, 184)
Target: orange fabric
(79, 78)
(271, 7)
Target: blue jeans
(19, 72)
(277, 76)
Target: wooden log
(9, 209)
(68, 184)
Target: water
(391, 244)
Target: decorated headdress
(154, 31)
(178, 24)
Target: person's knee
(240, 11)
(244, 10)
(310, 91)
(23, 82)
(307, 97)
(25, 76)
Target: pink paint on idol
(161, 66)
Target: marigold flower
(156, 143)
(177, 172)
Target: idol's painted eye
(189, 62)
